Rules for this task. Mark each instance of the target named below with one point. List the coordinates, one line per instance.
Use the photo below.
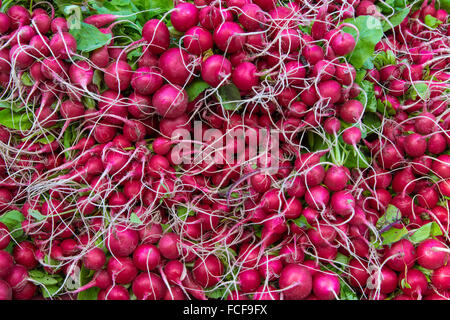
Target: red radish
(245, 76)
(441, 166)
(317, 197)
(292, 253)
(170, 101)
(266, 293)
(81, 74)
(313, 53)
(17, 278)
(431, 254)
(101, 279)
(324, 70)
(174, 293)
(329, 90)
(351, 111)
(336, 178)
(415, 145)
(100, 57)
(270, 267)
(403, 181)
(358, 273)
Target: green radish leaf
(425, 232)
(370, 33)
(432, 22)
(46, 139)
(196, 88)
(14, 120)
(89, 37)
(229, 96)
(391, 215)
(396, 19)
(13, 220)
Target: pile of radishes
(354, 203)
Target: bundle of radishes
(236, 149)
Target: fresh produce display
(225, 150)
